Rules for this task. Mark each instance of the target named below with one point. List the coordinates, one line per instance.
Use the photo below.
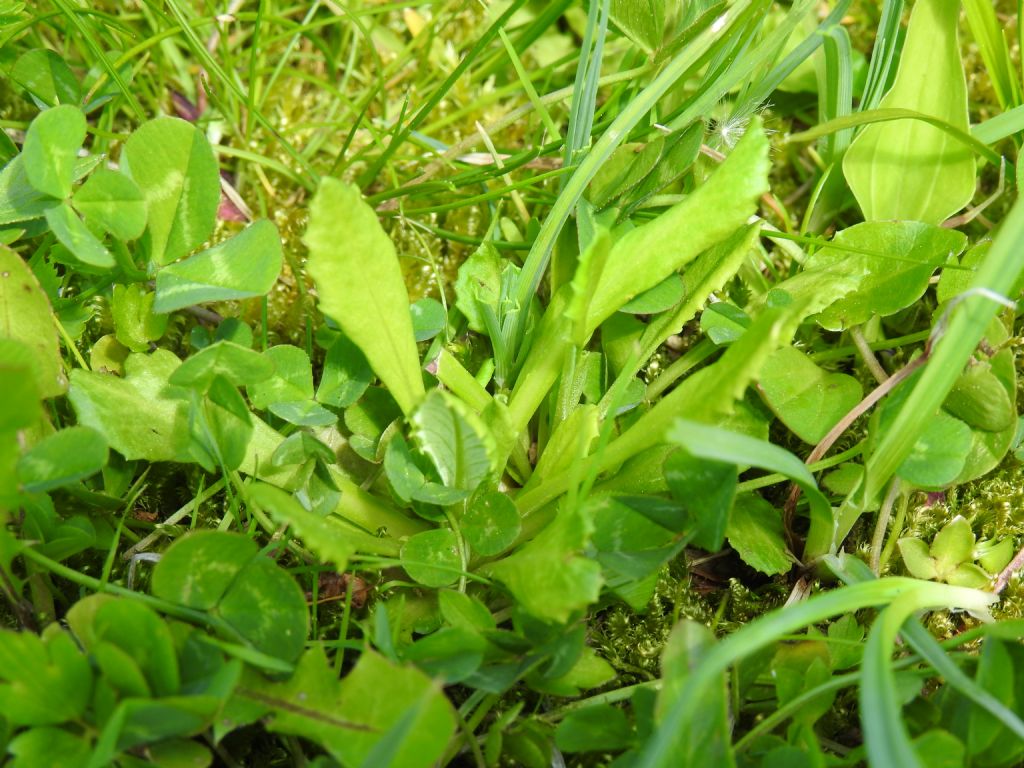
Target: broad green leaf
(329, 541)
(807, 399)
(661, 297)
(25, 317)
(755, 532)
(478, 286)
(114, 202)
(451, 654)
(723, 323)
(455, 440)
(51, 147)
(239, 365)
(891, 262)
(52, 747)
(135, 323)
(346, 374)
(940, 451)
(908, 169)
(244, 266)
(645, 256)
(62, 458)
(428, 318)
(47, 77)
(490, 524)
(952, 545)
(550, 576)
(642, 21)
(705, 491)
(76, 237)
(19, 200)
(225, 574)
(432, 558)
(42, 682)
(172, 163)
(596, 728)
(134, 413)
(352, 718)
(360, 286)
(464, 611)
(122, 623)
(220, 427)
(980, 399)
(413, 479)
(631, 548)
(367, 420)
(267, 607)
(288, 394)
(20, 407)
(199, 568)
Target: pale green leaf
(908, 169)
(244, 266)
(432, 557)
(135, 414)
(51, 147)
(359, 281)
(172, 163)
(890, 262)
(76, 237)
(455, 439)
(62, 458)
(807, 399)
(25, 317)
(114, 202)
(645, 256)
(755, 532)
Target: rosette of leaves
(955, 557)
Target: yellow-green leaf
(359, 281)
(908, 169)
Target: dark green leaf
(345, 376)
(705, 490)
(595, 728)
